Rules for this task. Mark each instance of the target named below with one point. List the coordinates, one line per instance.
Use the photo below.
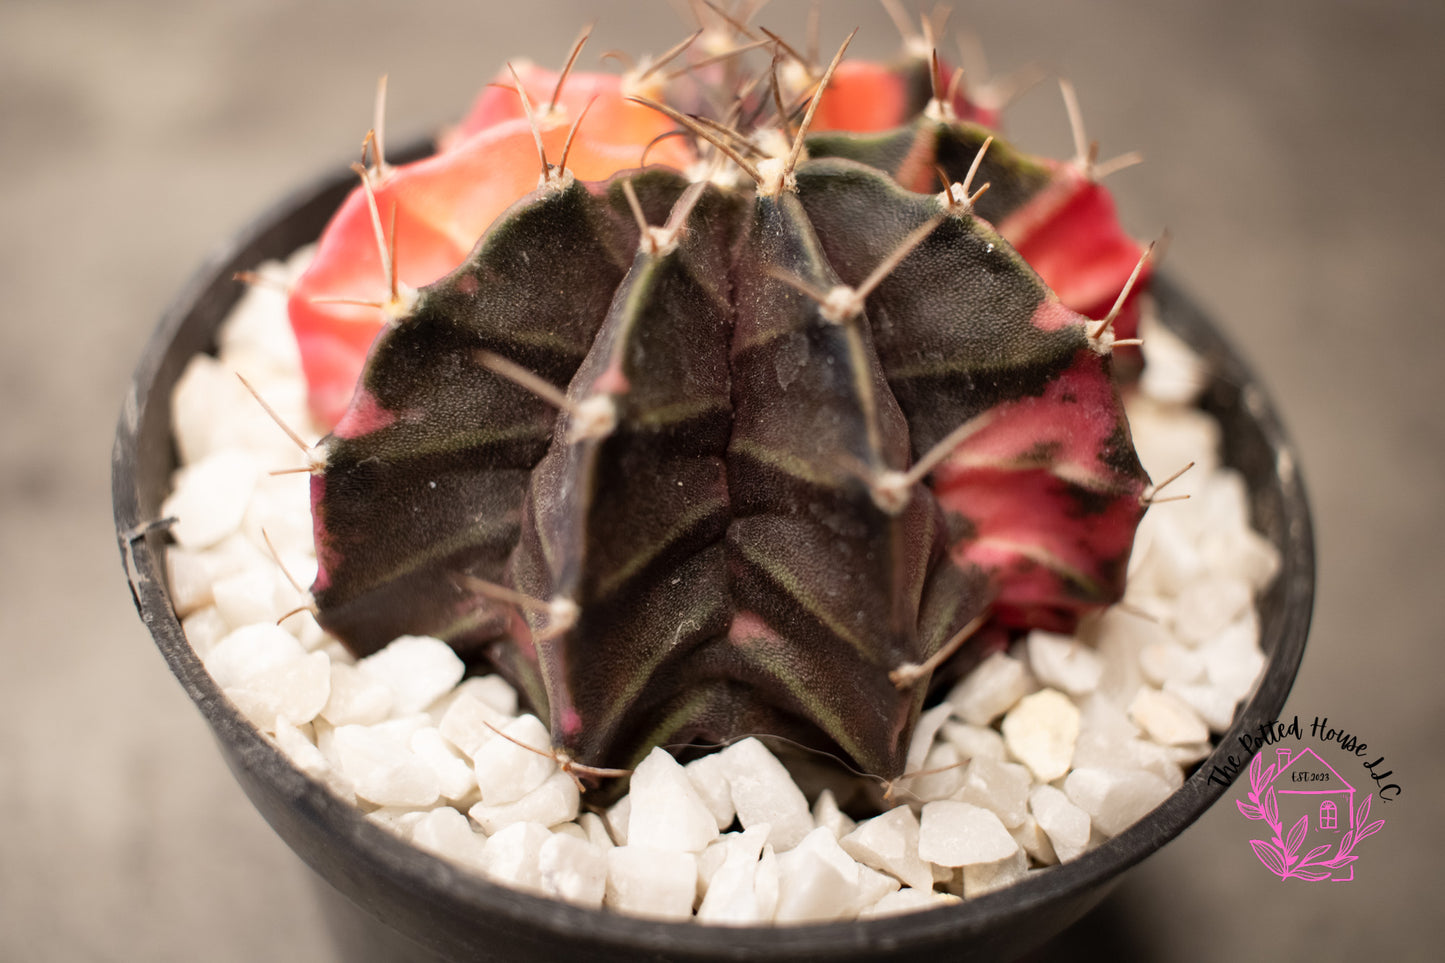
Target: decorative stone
(573, 870)
(655, 883)
(509, 768)
(514, 856)
(889, 843)
(818, 881)
(991, 689)
(959, 834)
(356, 699)
(1166, 719)
(1063, 662)
(1040, 731)
(1115, 799)
(1066, 825)
(709, 777)
(732, 892)
(417, 668)
(667, 811)
(764, 792)
(1000, 787)
(449, 834)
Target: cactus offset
(687, 461)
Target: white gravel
(1041, 753)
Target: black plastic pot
(461, 916)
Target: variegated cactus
(747, 440)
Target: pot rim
(142, 547)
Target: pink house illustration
(1307, 786)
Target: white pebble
(1035, 841)
(667, 812)
(570, 829)
(1166, 719)
(1105, 720)
(907, 901)
(1187, 754)
(249, 651)
(294, 690)
(818, 881)
(494, 690)
(248, 597)
(190, 575)
(1245, 553)
(1066, 825)
(301, 750)
(470, 722)
(448, 833)
(827, 814)
(959, 834)
(889, 843)
(417, 668)
(1232, 659)
(507, 770)
(454, 774)
(764, 792)
(1163, 662)
(1168, 437)
(596, 830)
(208, 388)
(999, 786)
(655, 883)
(1173, 372)
(269, 517)
(991, 689)
(1120, 637)
(732, 896)
(1211, 703)
(204, 628)
(1206, 607)
(975, 742)
(210, 497)
(1041, 732)
(1172, 560)
(573, 870)
(1093, 752)
(399, 820)
(940, 774)
(924, 732)
(980, 878)
(1064, 663)
(513, 856)
(379, 762)
(617, 818)
(1115, 799)
(356, 698)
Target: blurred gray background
(1295, 152)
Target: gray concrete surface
(1294, 151)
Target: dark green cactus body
(709, 547)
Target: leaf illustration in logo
(1316, 853)
(1249, 810)
(1295, 837)
(1370, 830)
(1313, 875)
(1269, 856)
(1271, 806)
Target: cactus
(688, 453)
